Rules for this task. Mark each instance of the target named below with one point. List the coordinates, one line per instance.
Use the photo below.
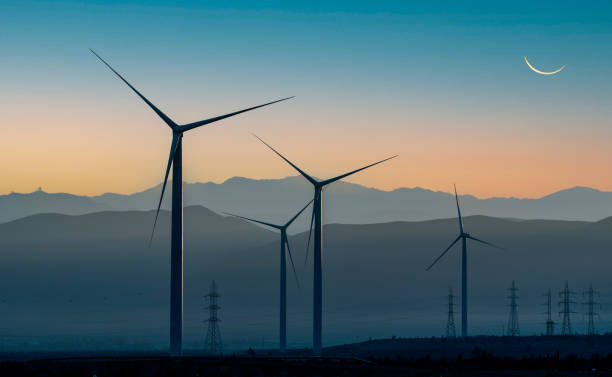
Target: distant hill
(92, 281)
(347, 203)
(516, 347)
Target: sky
(442, 84)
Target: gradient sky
(444, 86)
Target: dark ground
(477, 356)
(518, 347)
(270, 366)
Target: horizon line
(40, 189)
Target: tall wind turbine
(283, 271)
(176, 254)
(317, 215)
(463, 236)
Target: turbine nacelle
(176, 250)
(316, 219)
(462, 234)
(177, 130)
(319, 185)
(283, 230)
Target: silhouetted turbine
(463, 236)
(317, 215)
(283, 271)
(176, 161)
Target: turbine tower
(317, 219)
(550, 324)
(513, 324)
(283, 271)
(463, 236)
(450, 322)
(176, 253)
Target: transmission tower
(513, 324)
(450, 323)
(550, 324)
(590, 296)
(566, 309)
(213, 335)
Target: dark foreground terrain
(475, 356)
(305, 366)
(503, 347)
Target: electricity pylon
(566, 309)
(513, 324)
(213, 335)
(450, 323)
(590, 295)
(550, 324)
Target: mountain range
(276, 199)
(92, 282)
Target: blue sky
(374, 71)
(389, 46)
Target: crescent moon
(542, 72)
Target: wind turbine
(283, 271)
(176, 254)
(317, 214)
(463, 236)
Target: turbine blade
(328, 181)
(193, 125)
(176, 139)
(253, 220)
(291, 259)
(299, 213)
(309, 178)
(458, 210)
(441, 255)
(164, 117)
(485, 242)
(314, 208)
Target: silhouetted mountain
(347, 203)
(14, 205)
(92, 281)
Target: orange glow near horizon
(446, 89)
(90, 159)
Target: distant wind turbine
(463, 236)
(176, 254)
(317, 214)
(283, 271)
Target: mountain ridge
(375, 278)
(344, 202)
